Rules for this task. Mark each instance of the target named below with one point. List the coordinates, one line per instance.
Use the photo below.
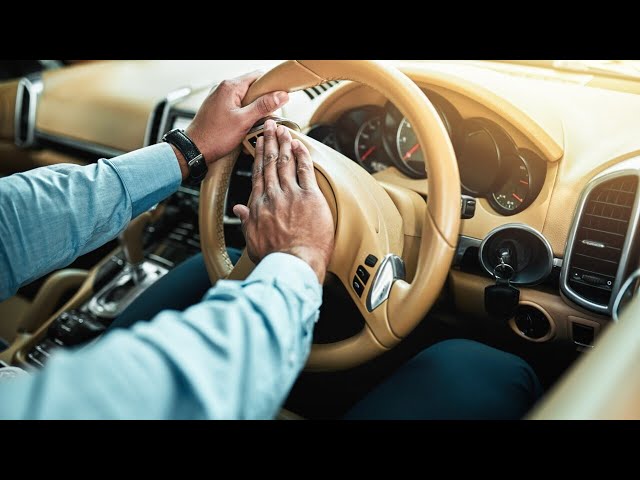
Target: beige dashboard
(578, 131)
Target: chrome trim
(33, 86)
(381, 284)
(464, 242)
(526, 228)
(591, 243)
(99, 150)
(100, 307)
(623, 290)
(624, 258)
(557, 262)
(171, 98)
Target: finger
(304, 166)
(270, 156)
(242, 212)
(263, 106)
(286, 165)
(257, 178)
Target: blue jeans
(453, 379)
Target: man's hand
(287, 211)
(221, 122)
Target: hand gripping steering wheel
(367, 221)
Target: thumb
(264, 105)
(242, 212)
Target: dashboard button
(363, 274)
(371, 261)
(357, 286)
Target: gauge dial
(368, 146)
(325, 134)
(408, 147)
(515, 191)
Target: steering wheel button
(371, 261)
(363, 274)
(357, 286)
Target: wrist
(209, 154)
(315, 259)
(182, 162)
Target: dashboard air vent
(314, 92)
(29, 88)
(155, 123)
(599, 240)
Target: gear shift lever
(132, 245)
(137, 275)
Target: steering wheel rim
(366, 219)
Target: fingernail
(281, 97)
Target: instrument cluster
(491, 165)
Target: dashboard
(555, 184)
(491, 165)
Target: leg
(182, 287)
(454, 379)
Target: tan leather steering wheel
(367, 221)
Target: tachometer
(515, 191)
(368, 146)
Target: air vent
(155, 121)
(314, 92)
(599, 241)
(157, 125)
(29, 88)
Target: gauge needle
(517, 197)
(411, 151)
(524, 182)
(364, 156)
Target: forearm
(234, 355)
(51, 215)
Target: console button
(357, 286)
(371, 261)
(75, 328)
(363, 274)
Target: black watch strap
(195, 160)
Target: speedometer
(408, 146)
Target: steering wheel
(367, 220)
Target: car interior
(489, 200)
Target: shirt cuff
(298, 272)
(149, 175)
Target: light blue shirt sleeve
(51, 215)
(235, 355)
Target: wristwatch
(195, 160)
